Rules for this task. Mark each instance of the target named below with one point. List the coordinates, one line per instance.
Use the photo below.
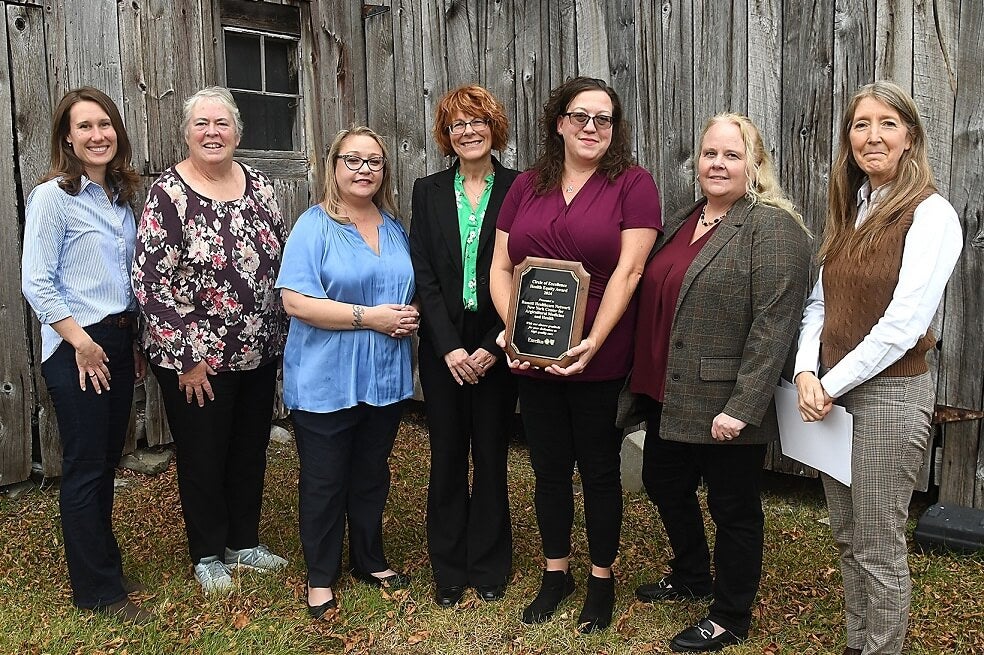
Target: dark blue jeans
(92, 428)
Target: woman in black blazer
(470, 395)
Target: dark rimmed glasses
(458, 127)
(601, 121)
(354, 163)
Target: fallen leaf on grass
(240, 620)
(417, 637)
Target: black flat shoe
(317, 611)
(598, 605)
(394, 581)
(449, 596)
(554, 588)
(655, 592)
(699, 639)
(131, 586)
(491, 592)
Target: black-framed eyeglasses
(354, 162)
(458, 127)
(601, 121)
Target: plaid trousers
(891, 432)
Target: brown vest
(856, 295)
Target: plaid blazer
(735, 323)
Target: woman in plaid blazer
(890, 244)
(719, 303)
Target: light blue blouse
(328, 370)
(77, 256)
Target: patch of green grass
(799, 608)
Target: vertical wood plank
(853, 65)
(31, 111)
(807, 60)
(963, 331)
(720, 59)
(435, 70)
(894, 42)
(500, 63)
(381, 91)
(134, 106)
(650, 96)
(934, 81)
(765, 25)
(620, 27)
(412, 132)
(562, 39)
(343, 37)
(533, 63)
(675, 62)
(16, 383)
(592, 39)
(462, 37)
(83, 40)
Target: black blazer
(435, 247)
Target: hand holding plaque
(546, 311)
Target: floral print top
(204, 275)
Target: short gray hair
(216, 94)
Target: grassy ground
(799, 606)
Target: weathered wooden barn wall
(789, 65)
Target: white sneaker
(258, 558)
(213, 575)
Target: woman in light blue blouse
(347, 283)
(78, 247)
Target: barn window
(261, 47)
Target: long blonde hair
(761, 184)
(913, 176)
(383, 198)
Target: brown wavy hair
(912, 177)
(549, 166)
(383, 198)
(65, 164)
(471, 100)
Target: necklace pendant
(570, 188)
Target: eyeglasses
(458, 127)
(601, 121)
(354, 163)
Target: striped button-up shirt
(77, 256)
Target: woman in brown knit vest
(890, 244)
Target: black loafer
(317, 611)
(655, 592)
(449, 596)
(699, 639)
(491, 592)
(394, 581)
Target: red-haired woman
(78, 246)
(471, 397)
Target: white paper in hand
(825, 445)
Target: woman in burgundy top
(719, 304)
(584, 200)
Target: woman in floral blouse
(208, 254)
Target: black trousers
(92, 428)
(221, 456)
(671, 473)
(344, 474)
(567, 423)
(469, 535)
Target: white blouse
(932, 247)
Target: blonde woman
(347, 283)
(718, 307)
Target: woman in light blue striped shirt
(78, 248)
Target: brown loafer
(126, 611)
(131, 586)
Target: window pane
(269, 121)
(243, 61)
(281, 66)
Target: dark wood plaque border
(582, 278)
